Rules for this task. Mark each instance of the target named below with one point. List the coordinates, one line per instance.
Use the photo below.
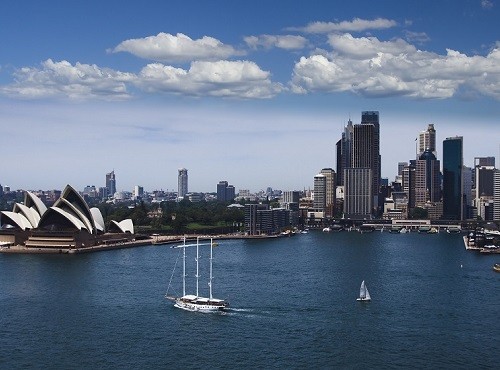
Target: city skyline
(244, 94)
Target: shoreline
(154, 240)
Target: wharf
(469, 245)
(153, 240)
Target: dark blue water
(434, 305)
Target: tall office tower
(230, 193)
(409, 183)
(358, 198)
(401, 166)
(221, 191)
(329, 173)
(484, 169)
(468, 194)
(344, 152)
(225, 192)
(453, 206)
(372, 118)
(365, 154)
(427, 180)
(496, 195)
(427, 140)
(111, 183)
(319, 202)
(182, 183)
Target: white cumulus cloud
(241, 79)
(356, 25)
(287, 42)
(370, 67)
(62, 79)
(165, 47)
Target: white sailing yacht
(364, 295)
(193, 302)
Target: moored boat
(496, 267)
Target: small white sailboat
(364, 295)
(193, 302)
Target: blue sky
(255, 93)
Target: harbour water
(293, 305)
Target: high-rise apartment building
(427, 140)
(182, 183)
(453, 205)
(111, 183)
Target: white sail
(362, 290)
(364, 295)
(367, 294)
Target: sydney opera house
(68, 224)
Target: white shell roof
(21, 221)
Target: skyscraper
(453, 207)
(329, 191)
(372, 118)
(111, 183)
(319, 202)
(344, 152)
(427, 180)
(427, 140)
(182, 183)
(358, 193)
(365, 154)
(496, 195)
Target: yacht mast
(211, 277)
(197, 258)
(184, 269)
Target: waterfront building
(453, 206)
(427, 140)
(182, 183)
(484, 169)
(330, 181)
(496, 195)
(358, 199)
(319, 200)
(111, 183)
(68, 223)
